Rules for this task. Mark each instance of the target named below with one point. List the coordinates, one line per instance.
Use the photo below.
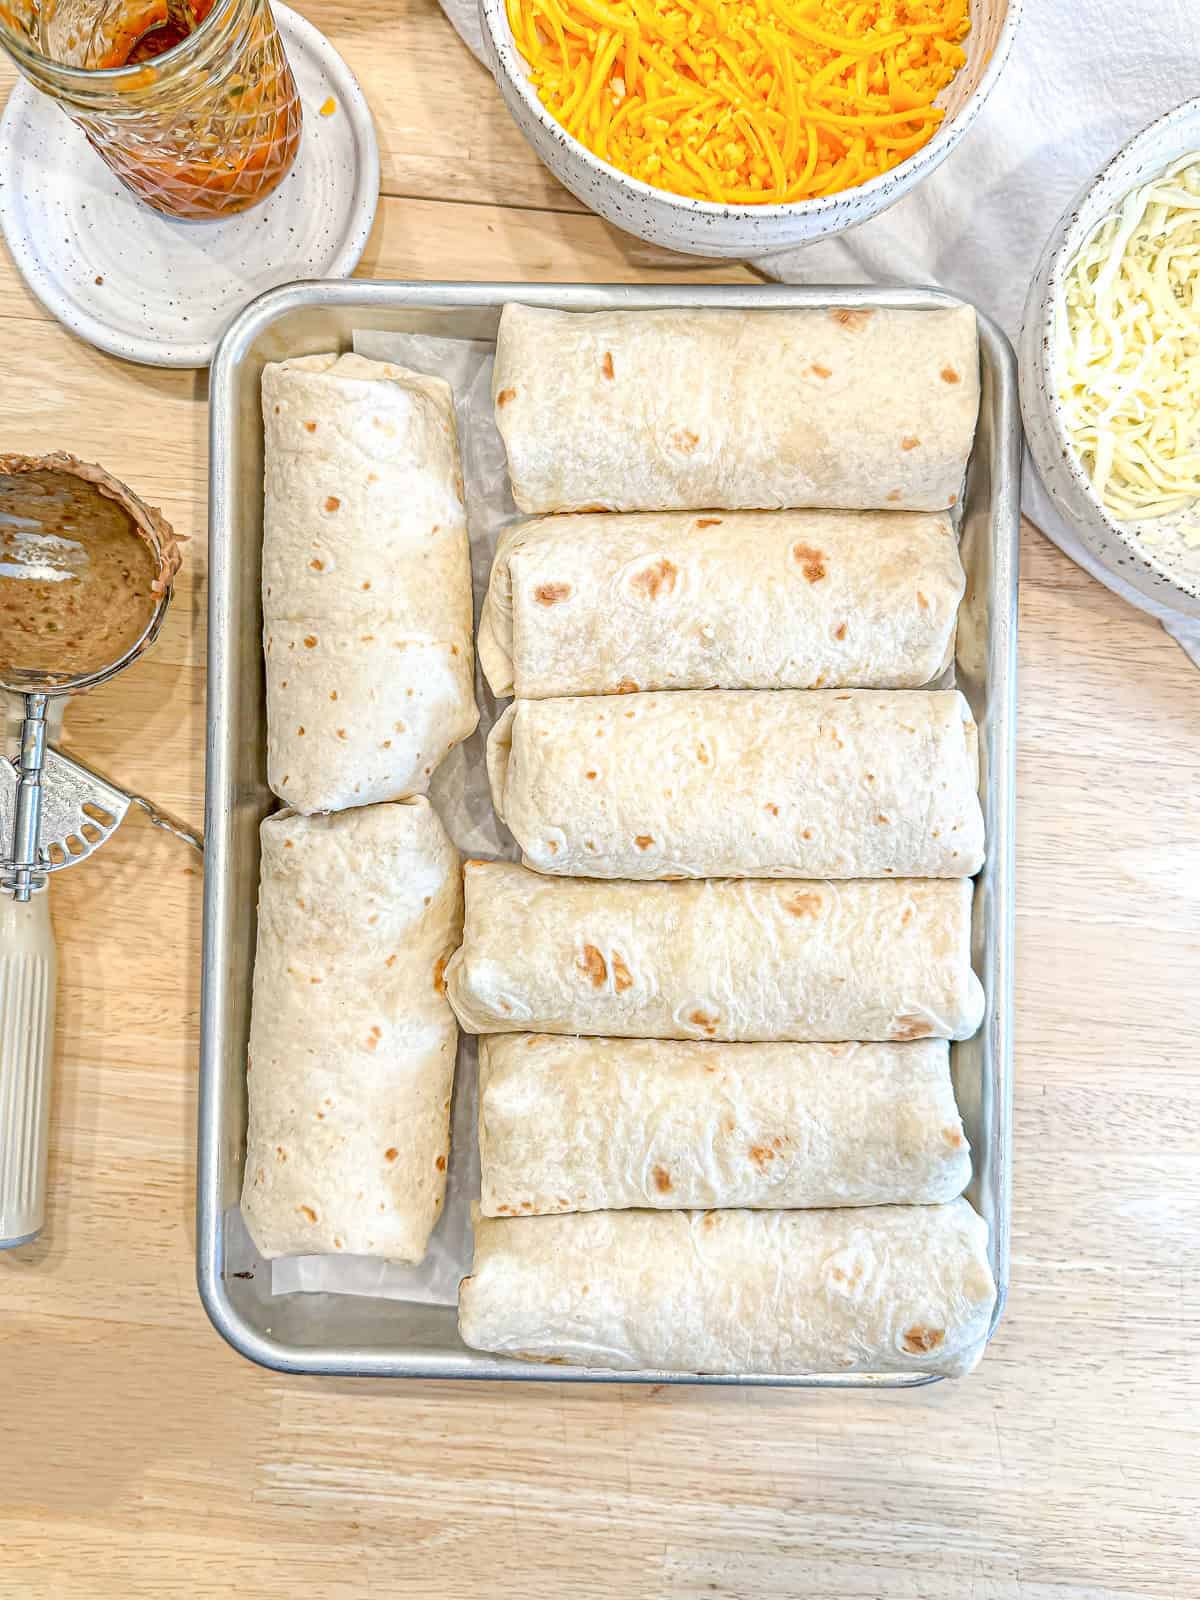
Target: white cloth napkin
(1083, 78)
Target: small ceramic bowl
(1115, 547)
(701, 227)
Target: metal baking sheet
(350, 1335)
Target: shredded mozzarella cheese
(744, 101)
(1127, 348)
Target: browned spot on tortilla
(910, 1028)
(332, 503)
(280, 1153)
(307, 1211)
(655, 580)
(390, 1153)
(812, 562)
(440, 1163)
(662, 1180)
(685, 441)
(772, 808)
(316, 565)
(922, 601)
(622, 977)
(894, 494)
(549, 594)
(953, 1137)
(300, 731)
(397, 727)
(909, 442)
(820, 371)
(760, 1154)
(453, 649)
(644, 841)
(803, 903)
(310, 641)
(833, 738)
(702, 1020)
(906, 916)
(590, 774)
(374, 1038)
(505, 396)
(391, 960)
(879, 817)
(526, 1205)
(439, 974)
(367, 583)
(287, 844)
(807, 834)
(950, 376)
(710, 1220)
(818, 680)
(708, 522)
(919, 1341)
(606, 366)
(593, 965)
(952, 502)
(310, 427)
(552, 846)
(840, 631)
(626, 686)
(387, 744)
(702, 755)
(852, 318)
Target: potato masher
(53, 814)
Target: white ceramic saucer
(150, 289)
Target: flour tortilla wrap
(756, 410)
(352, 1043)
(884, 1289)
(366, 581)
(726, 783)
(721, 600)
(605, 1124)
(753, 960)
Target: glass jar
(191, 103)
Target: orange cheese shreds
(744, 101)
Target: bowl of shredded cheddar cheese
(740, 127)
(1110, 362)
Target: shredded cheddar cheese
(744, 101)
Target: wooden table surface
(139, 1457)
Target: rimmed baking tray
(350, 1335)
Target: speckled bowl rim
(1072, 241)
(928, 156)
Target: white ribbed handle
(27, 975)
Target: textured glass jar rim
(189, 53)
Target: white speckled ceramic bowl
(1068, 485)
(701, 227)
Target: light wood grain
(141, 1459)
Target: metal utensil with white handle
(53, 812)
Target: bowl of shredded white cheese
(1110, 362)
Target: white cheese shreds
(1127, 348)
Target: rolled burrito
(755, 960)
(352, 1042)
(366, 581)
(716, 783)
(737, 600)
(605, 1124)
(885, 1289)
(750, 409)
